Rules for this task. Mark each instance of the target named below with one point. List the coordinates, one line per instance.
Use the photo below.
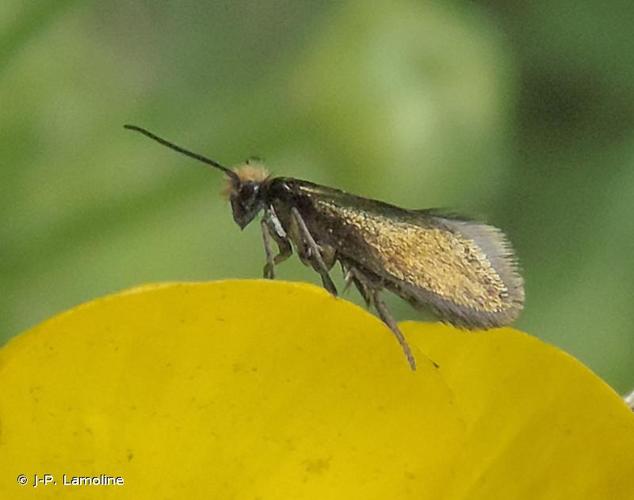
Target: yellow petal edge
(259, 389)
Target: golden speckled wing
(464, 270)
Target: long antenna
(186, 152)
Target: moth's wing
(484, 288)
(465, 270)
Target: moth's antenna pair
(230, 173)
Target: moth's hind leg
(370, 289)
(311, 253)
(388, 319)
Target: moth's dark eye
(246, 203)
(247, 190)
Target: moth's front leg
(269, 267)
(269, 233)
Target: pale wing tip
(499, 252)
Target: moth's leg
(361, 283)
(314, 254)
(329, 256)
(269, 233)
(279, 235)
(388, 319)
(348, 276)
(285, 250)
(269, 267)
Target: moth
(463, 270)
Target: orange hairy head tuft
(250, 171)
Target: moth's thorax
(285, 193)
(282, 188)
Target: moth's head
(246, 191)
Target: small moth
(463, 270)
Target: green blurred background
(517, 112)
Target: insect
(463, 270)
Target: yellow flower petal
(224, 390)
(539, 423)
(255, 389)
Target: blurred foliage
(521, 113)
